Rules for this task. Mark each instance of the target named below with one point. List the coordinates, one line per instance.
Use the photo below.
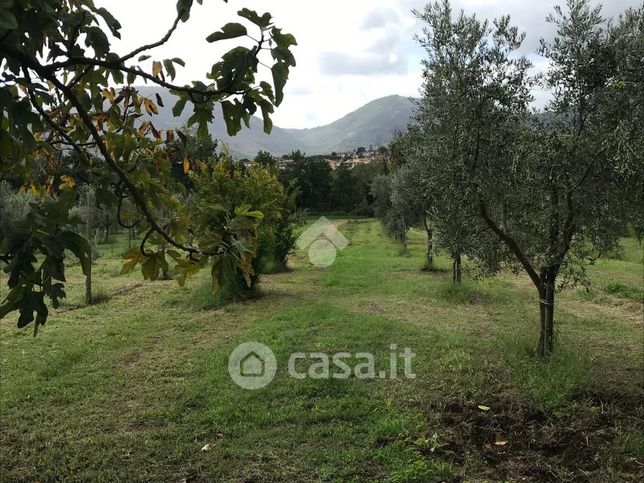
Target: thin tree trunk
(88, 282)
(547, 313)
(430, 244)
(88, 227)
(404, 236)
(456, 268)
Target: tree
(56, 96)
(266, 159)
(312, 178)
(220, 186)
(410, 186)
(364, 174)
(552, 189)
(381, 194)
(559, 203)
(344, 196)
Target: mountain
(372, 124)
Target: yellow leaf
(156, 68)
(483, 408)
(108, 94)
(67, 182)
(143, 128)
(186, 165)
(150, 106)
(500, 441)
(206, 447)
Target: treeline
(546, 192)
(320, 189)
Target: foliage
(58, 95)
(381, 193)
(312, 177)
(547, 193)
(266, 159)
(344, 196)
(14, 204)
(182, 152)
(219, 187)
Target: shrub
(221, 186)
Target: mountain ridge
(372, 124)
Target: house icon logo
(324, 241)
(252, 365)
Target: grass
(136, 388)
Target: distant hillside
(373, 123)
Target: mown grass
(134, 387)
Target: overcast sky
(349, 51)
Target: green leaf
(282, 40)
(97, 39)
(228, 31)
(179, 106)
(262, 22)
(201, 116)
(183, 9)
(232, 117)
(267, 109)
(113, 24)
(280, 76)
(234, 68)
(8, 20)
(169, 68)
(79, 247)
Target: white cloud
(380, 18)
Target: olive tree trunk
(89, 229)
(456, 268)
(545, 346)
(430, 244)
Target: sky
(349, 52)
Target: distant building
(284, 162)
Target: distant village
(360, 155)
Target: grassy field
(137, 388)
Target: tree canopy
(65, 90)
(541, 192)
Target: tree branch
(512, 245)
(154, 45)
(84, 115)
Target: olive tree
(410, 187)
(552, 188)
(64, 89)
